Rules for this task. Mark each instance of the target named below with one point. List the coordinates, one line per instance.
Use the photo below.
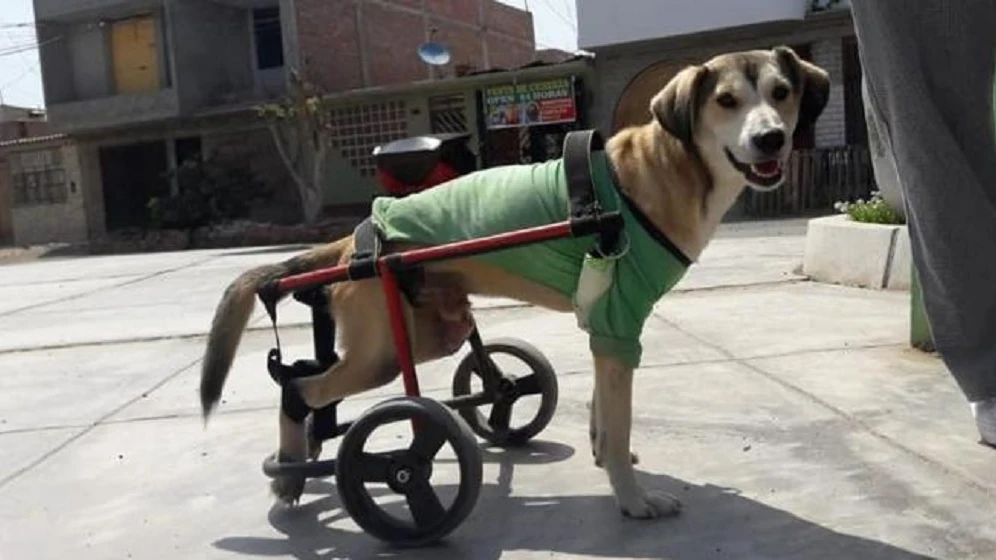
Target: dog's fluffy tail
(235, 308)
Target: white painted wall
(607, 22)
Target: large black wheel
(407, 471)
(507, 390)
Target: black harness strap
(367, 241)
(363, 264)
(584, 205)
(291, 402)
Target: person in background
(929, 76)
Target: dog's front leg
(596, 447)
(613, 410)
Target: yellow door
(133, 47)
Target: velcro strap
(368, 247)
(292, 405)
(578, 145)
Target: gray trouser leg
(929, 70)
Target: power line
(13, 82)
(562, 17)
(18, 49)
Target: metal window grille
(356, 131)
(39, 178)
(448, 114)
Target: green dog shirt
(507, 198)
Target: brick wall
(15, 130)
(329, 50)
(349, 44)
(830, 129)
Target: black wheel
(506, 390)
(406, 472)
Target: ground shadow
(717, 523)
(273, 249)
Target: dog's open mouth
(763, 174)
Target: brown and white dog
(713, 129)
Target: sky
(555, 23)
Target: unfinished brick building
(349, 44)
(130, 83)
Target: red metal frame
(437, 253)
(399, 328)
(389, 281)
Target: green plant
(873, 211)
(208, 192)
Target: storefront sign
(533, 103)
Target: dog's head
(739, 110)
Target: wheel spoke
(489, 374)
(528, 385)
(501, 413)
(429, 439)
(374, 467)
(424, 503)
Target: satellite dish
(434, 54)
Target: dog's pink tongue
(767, 168)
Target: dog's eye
(727, 100)
(779, 93)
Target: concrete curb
(842, 251)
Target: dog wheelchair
(406, 166)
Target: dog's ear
(811, 80)
(676, 106)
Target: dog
(714, 129)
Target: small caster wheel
(406, 471)
(505, 391)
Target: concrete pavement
(789, 416)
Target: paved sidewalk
(789, 416)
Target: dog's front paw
(650, 505)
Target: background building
(142, 85)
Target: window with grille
(38, 178)
(356, 131)
(447, 114)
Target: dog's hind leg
(366, 362)
(437, 328)
(354, 373)
(614, 416)
(293, 448)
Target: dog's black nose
(770, 141)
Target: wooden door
(135, 54)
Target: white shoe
(985, 418)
